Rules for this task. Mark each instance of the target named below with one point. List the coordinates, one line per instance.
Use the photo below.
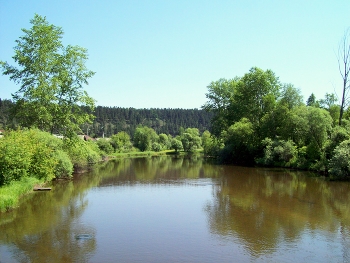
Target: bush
(105, 146)
(81, 153)
(28, 153)
(156, 147)
(15, 157)
(64, 166)
(339, 165)
(278, 153)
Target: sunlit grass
(151, 153)
(10, 194)
(140, 154)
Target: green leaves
(52, 78)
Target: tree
(255, 95)
(191, 140)
(176, 144)
(144, 137)
(239, 142)
(291, 96)
(344, 69)
(121, 142)
(220, 97)
(311, 101)
(51, 96)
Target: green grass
(140, 154)
(151, 153)
(10, 194)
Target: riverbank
(12, 193)
(149, 153)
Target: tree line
(260, 120)
(254, 118)
(108, 121)
(111, 120)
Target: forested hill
(111, 120)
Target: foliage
(220, 97)
(339, 165)
(256, 106)
(105, 146)
(64, 167)
(80, 152)
(144, 137)
(121, 142)
(156, 147)
(190, 140)
(51, 76)
(167, 121)
(239, 143)
(164, 141)
(10, 193)
(278, 153)
(32, 153)
(176, 145)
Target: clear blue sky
(164, 53)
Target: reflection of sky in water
(148, 211)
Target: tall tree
(344, 69)
(51, 76)
(256, 95)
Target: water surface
(167, 209)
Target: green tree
(239, 143)
(164, 141)
(121, 142)
(291, 96)
(339, 166)
(220, 97)
(105, 145)
(51, 76)
(256, 94)
(312, 102)
(176, 144)
(144, 137)
(191, 140)
(328, 103)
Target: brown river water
(181, 209)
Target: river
(181, 209)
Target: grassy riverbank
(11, 193)
(149, 153)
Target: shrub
(81, 153)
(278, 153)
(105, 146)
(28, 153)
(64, 166)
(15, 157)
(339, 165)
(156, 147)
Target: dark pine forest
(111, 120)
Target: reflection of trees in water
(263, 208)
(161, 169)
(44, 228)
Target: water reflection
(45, 227)
(264, 208)
(268, 212)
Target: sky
(164, 53)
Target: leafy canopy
(51, 79)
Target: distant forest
(111, 120)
